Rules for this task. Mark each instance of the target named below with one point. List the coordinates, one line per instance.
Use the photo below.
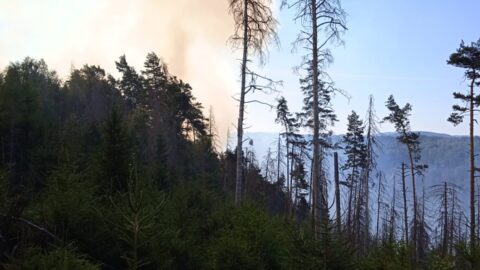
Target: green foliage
(61, 258)
(436, 262)
(114, 158)
(250, 239)
(355, 147)
(388, 256)
(122, 174)
(67, 202)
(138, 229)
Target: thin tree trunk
(367, 209)
(349, 211)
(278, 159)
(405, 206)
(472, 168)
(291, 180)
(337, 193)
(478, 214)
(267, 163)
(415, 212)
(378, 204)
(316, 124)
(238, 186)
(392, 218)
(288, 177)
(445, 221)
(310, 199)
(452, 223)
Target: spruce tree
(356, 153)
(115, 154)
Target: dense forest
(126, 172)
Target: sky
(394, 47)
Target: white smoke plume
(190, 35)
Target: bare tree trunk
(405, 206)
(349, 210)
(472, 168)
(445, 221)
(288, 177)
(291, 181)
(415, 212)
(310, 195)
(316, 122)
(278, 159)
(238, 186)
(392, 218)
(267, 163)
(351, 202)
(337, 193)
(367, 210)
(478, 214)
(378, 204)
(452, 224)
(356, 217)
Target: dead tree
(337, 193)
(255, 27)
(317, 17)
(381, 188)
(447, 213)
(371, 143)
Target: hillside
(445, 155)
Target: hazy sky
(395, 47)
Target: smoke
(189, 35)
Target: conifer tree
(317, 17)
(291, 136)
(130, 84)
(399, 117)
(467, 57)
(356, 153)
(115, 155)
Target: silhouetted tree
(399, 117)
(255, 27)
(468, 58)
(355, 151)
(371, 148)
(317, 17)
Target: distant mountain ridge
(446, 155)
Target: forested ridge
(128, 172)
(121, 173)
